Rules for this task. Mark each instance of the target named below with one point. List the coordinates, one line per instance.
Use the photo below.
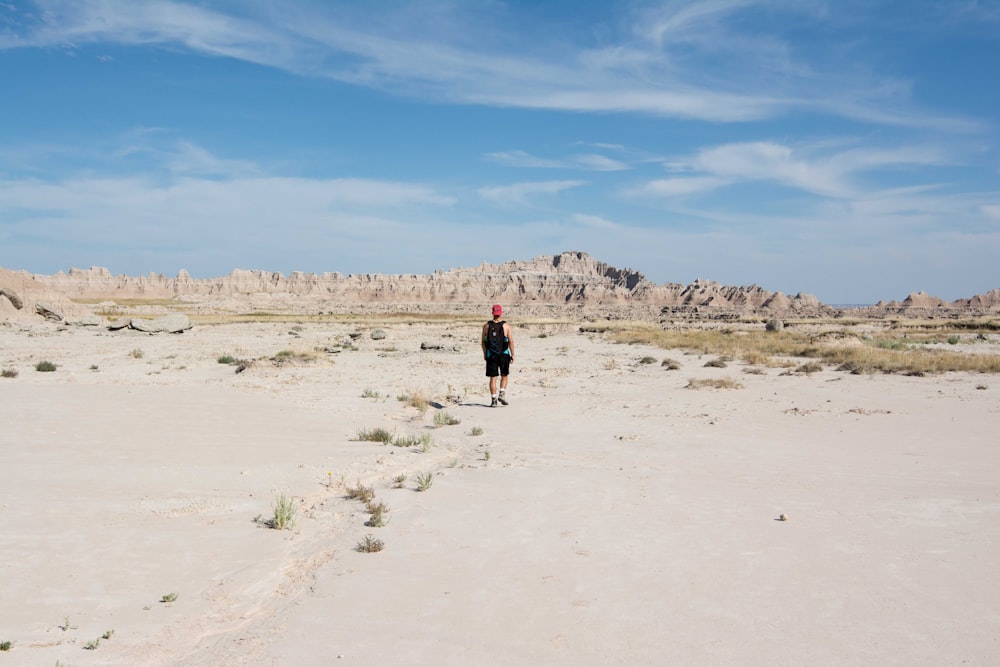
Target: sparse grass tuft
(670, 364)
(421, 441)
(753, 370)
(45, 367)
(370, 544)
(9, 373)
(378, 511)
(647, 360)
(370, 393)
(399, 480)
(228, 359)
(715, 383)
(108, 635)
(444, 419)
(424, 481)
(476, 430)
(291, 357)
(374, 435)
(715, 363)
(416, 399)
(809, 368)
(92, 645)
(284, 513)
(361, 492)
(136, 353)
(168, 598)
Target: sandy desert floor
(609, 515)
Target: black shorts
(498, 365)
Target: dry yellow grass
(758, 347)
(714, 383)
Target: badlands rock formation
(541, 284)
(567, 278)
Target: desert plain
(634, 504)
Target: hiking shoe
(494, 403)
(503, 399)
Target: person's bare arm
(510, 339)
(482, 338)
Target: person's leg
(504, 375)
(492, 371)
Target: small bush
(444, 419)
(774, 325)
(476, 430)
(370, 393)
(670, 364)
(45, 367)
(378, 511)
(422, 441)
(370, 544)
(809, 368)
(284, 513)
(715, 363)
(647, 360)
(399, 480)
(416, 399)
(374, 435)
(9, 373)
(361, 492)
(424, 481)
(228, 359)
(168, 598)
(953, 340)
(719, 383)
(92, 645)
(753, 370)
(6, 646)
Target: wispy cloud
(654, 65)
(518, 193)
(586, 162)
(825, 173)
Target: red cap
(497, 310)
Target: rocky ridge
(541, 284)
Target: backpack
(496, 342)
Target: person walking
(498, 351)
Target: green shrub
(374, 435)
(45, 367)
(424, 481)
(444, 419)
(284, 513)
(370, 544)
(9, 373)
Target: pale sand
(620, 519)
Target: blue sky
(843, 148)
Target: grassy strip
(759, 347)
